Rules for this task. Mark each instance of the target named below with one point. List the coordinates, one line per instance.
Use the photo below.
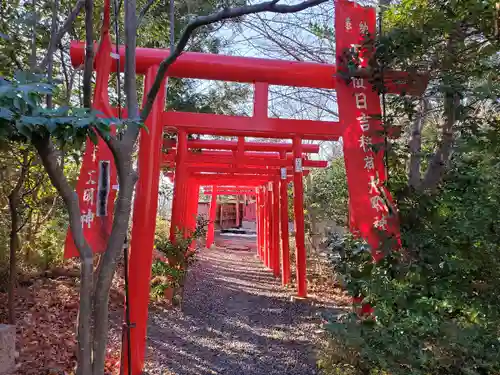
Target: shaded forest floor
(236, 319)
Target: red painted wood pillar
(266, 228)
(193, 209)
(143, 228)
(285, 246)
(257, 219)
(237, 212)
(271, 225)
(276, 227)
(193, 205)
(212, 216)
(298, 200)
(221, 215)
(261, 221)
(177, 221)
(185, 205)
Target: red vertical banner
(97, 184)
(360, 116)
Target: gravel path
(236, 320)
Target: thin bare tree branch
(32, 59)
(50, 64)
(54, 42)
(143, 11)
(89, 54)
(269, 6)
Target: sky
(288, 37)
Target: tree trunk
(415, 145)
(14, 200)
(13, 245)
(46, 152)
(439, 162)
(127, 179)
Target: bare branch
(89, 54)
(439, 162)
(54, 42)
(50, 64)
(229, 13)
(143, 11)
(32, 58)
(46, 152)
(111, 141)
(130, 83)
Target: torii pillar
(298, 204)
(211, 217)
(143, 228)
(285, 246)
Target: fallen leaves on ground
(46, 313)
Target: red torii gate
(246, 174)
(222, 165)
(268, 225)
(357, 104)
(236, 146)
(276, 198)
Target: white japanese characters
(358, 83)
(373, 185)
(365, 142)
(88, 218)
(88, 196)
(363, 28)
(87, 213)
(361, 100)
(348, 24)
(91, 180)
(94, 153)
(369, 163)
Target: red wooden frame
(234, 164)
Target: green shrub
(171, 274)
(437, 302)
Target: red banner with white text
(360, 116)
(97, 184)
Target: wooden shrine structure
(265, 169)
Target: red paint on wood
(249, 69)
(143, 227)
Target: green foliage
(178, 250)
(325, 194)
(171, 274)
(436, 303)
(23, 116)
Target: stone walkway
(236, 320)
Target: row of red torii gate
(265, 169)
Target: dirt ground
(236, 318)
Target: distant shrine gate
(265, 169)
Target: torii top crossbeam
(248, 69)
